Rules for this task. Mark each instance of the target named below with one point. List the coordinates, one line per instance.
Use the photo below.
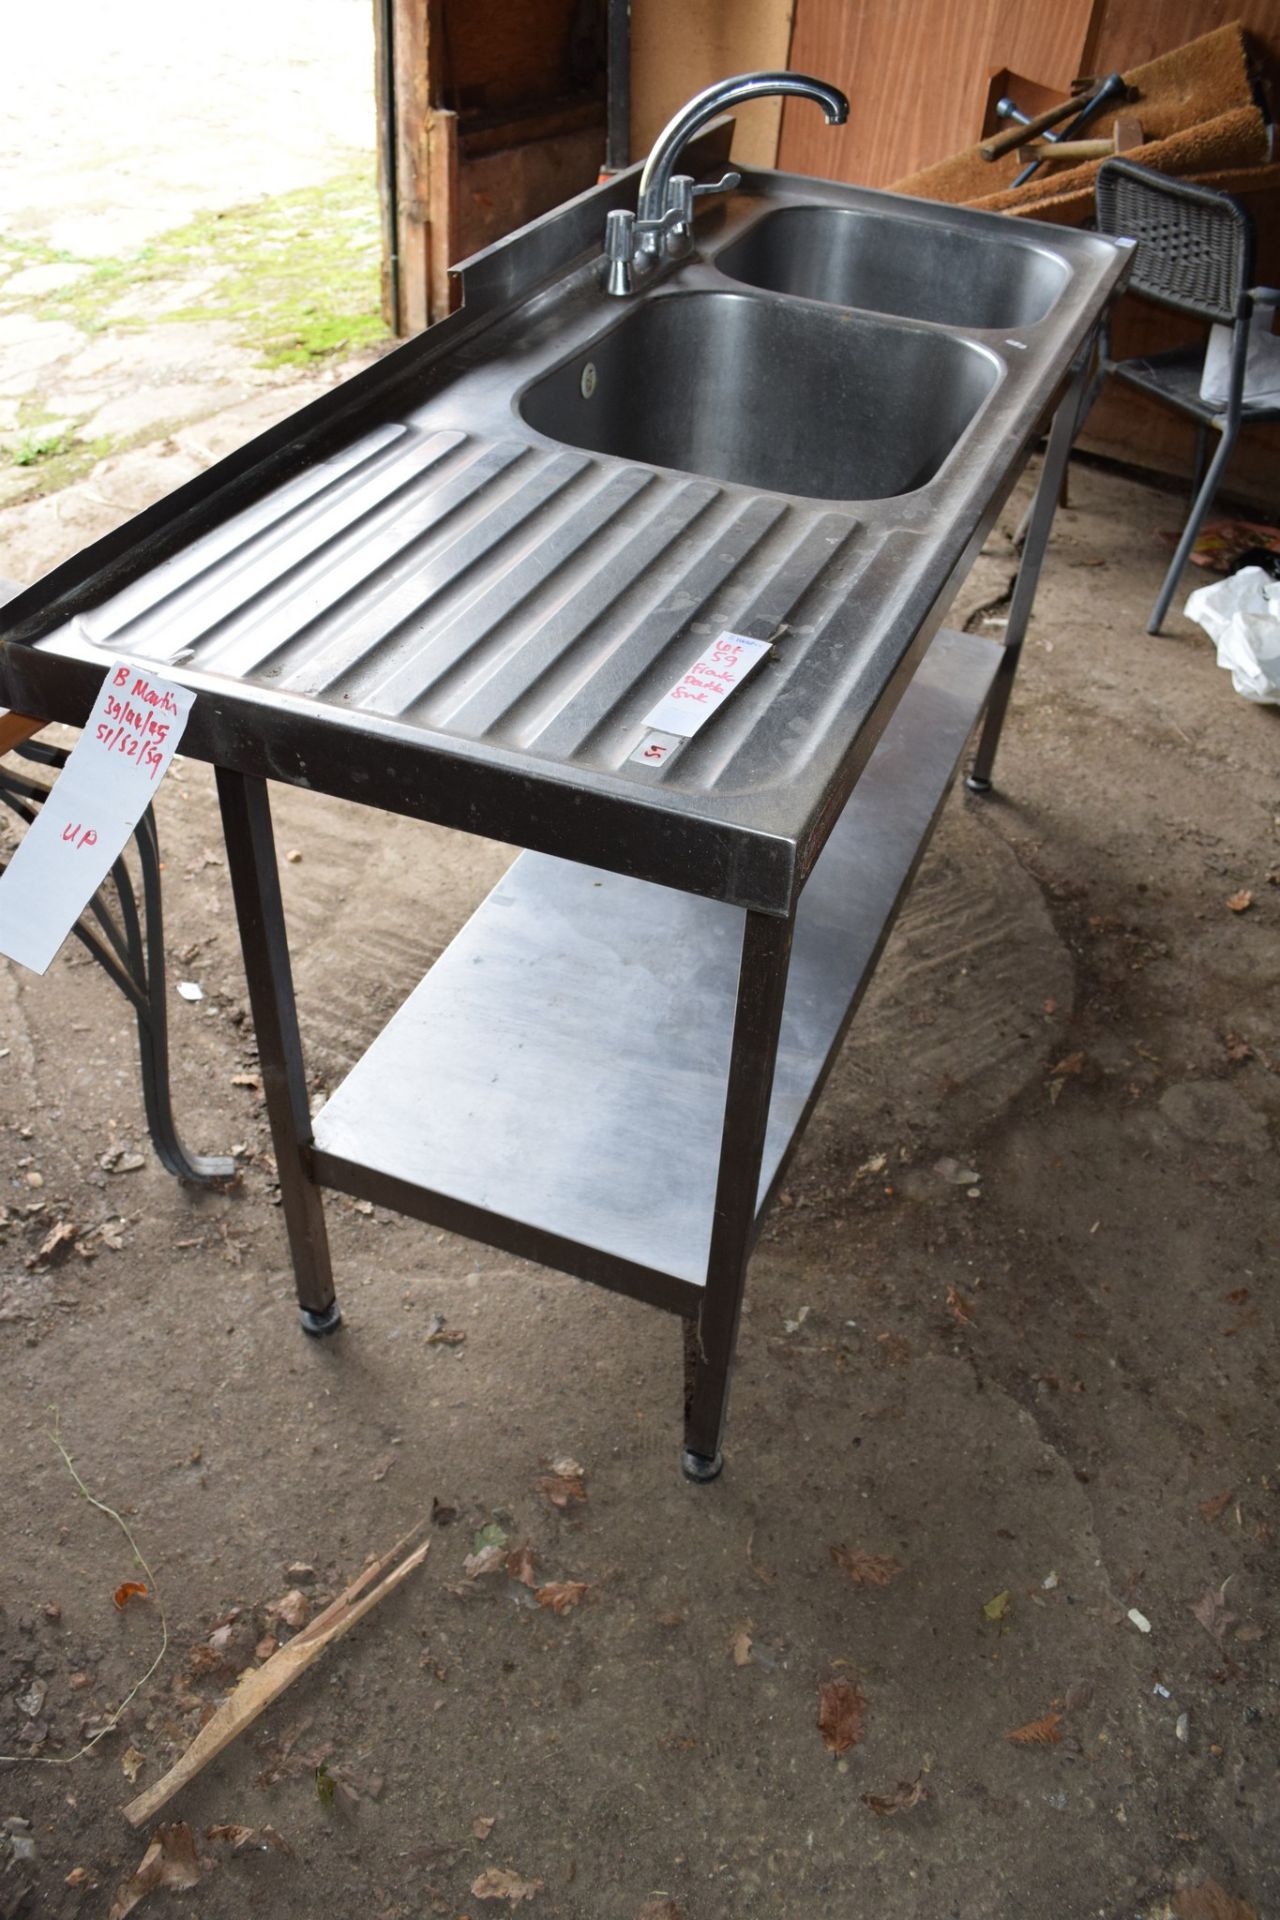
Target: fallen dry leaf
(482, 1826)
(1038, 1733)
(1240, 902)
(1072, 1063)
(131, 1763)
(489, 1560)
(1209, 1901)
(237, 1836)
(446, 1337)
(55, 1245)
(997, 1608)
(907, 1794)
(565, 1485)
(241, 1837)
(740, 1647)
(841, 1707)
(129, 1590)
(867, 1569)
(895, 1351)
(1212, 1509)
(170, 1861)
(293, 1609)
(500, 1883)
(961, 1309)
(520, 1565)
(1212, 1611)
(560, 1595)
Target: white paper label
(655, 748)
(94, 805)
(707, 684)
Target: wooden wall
(916, 74)
(677, 49)
(500, 115)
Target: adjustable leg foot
(696, 1466)
(976, 783)
(318, 1324)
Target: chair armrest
(1264, 296)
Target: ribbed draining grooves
(597, 679)
(440, 662)
(255, 561)
(810, 675)
(125, 614)
(335, 603)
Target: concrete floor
(1011, 1333)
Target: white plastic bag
(1261, 364)
(1241, 615)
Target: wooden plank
(416, 42)
(498, 191)
(442, 213)
(17, 727)
(501, 55)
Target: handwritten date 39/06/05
(137, 721)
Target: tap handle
(731, 180)
(619, 250)
(619, 234)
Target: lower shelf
(556, 1083)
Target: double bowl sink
(465, 577)
(839, 375)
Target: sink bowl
(851, 258)
(787, 399)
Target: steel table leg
(255, 885)
(1066, 423)
(711, 1338)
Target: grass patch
(58, 468)
(297, 277)
(35, 447)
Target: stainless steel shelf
(556, 1084)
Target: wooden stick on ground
(257, 1688)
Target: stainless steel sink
(768, 394)
(417, 577)
(900, 265)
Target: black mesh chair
(1194, 254)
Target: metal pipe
(617, 142)
(655, 181)
(386, 82)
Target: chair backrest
(1195, 246)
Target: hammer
(1114, 89)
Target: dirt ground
(1010, 1348)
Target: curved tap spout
(655, 181)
